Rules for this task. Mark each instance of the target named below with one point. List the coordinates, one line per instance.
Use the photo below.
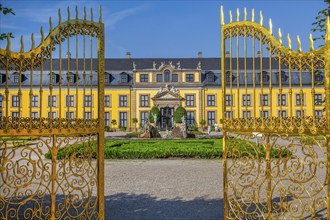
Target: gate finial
(42, 34)
(261, 18)
(8, 42)
(68, 13)
(311, 42)
(22, 44)
(76, 12)
(237, 14)
(50, 25)
(230, 17)
(222, 21)
(32, 41)
(327, 33)
(92, 15)
(59, 17)
(299, 43)
(244, 14)
(84, 13)
(279, 35)
(252, 15)
(289, 41)
(100, 16)
(270, 26)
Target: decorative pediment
(167, 94)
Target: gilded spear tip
(270, 26)
(230, 17)
(237, 14)
(222, 22)
(244, 14)
(289, 41)
(311, 42)
(42, 34)
(92, 15)
(22, 44)
(50, 25)
(32, 40)
(84, 13)
(100, 16)
(279, 35)
(68, 13)
(59, 16)
(252, 15)
(261, 18)
(8, 42)
(299, 43)
(76, 12)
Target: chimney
(128, 55)
(200, 54)
(227, 54)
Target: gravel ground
(163, 189)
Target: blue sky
(161, 29)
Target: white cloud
(115, 18)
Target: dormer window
(284, 76)
(210, 77)
(55, 78)
(16, 79)
(106, 78)
(265, 77)
(318, 76)
(227, 77)
(2, 78)
(167, 74)
(123, 77)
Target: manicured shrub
(122, 128)
(179, 112)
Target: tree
(319, 26)
(113, 122)
(202, 123)
(154, 110)
(179, 112)
(6, 11)
(135, 120)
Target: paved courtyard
(163, 189)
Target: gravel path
(163, 189)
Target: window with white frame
(106, 118)
(51, 114)
(281, 99)
(210, 100)
(318, 100)
(246, 114)
(144, 100)
(282, 113)
(190, 100)
(70, 101)
(318, 113)
(70, 115)
(123, 119)
(143, 117)
(123, 101)
(264, 99)
(300, 113)
(190, 78)
(300, 99)
(15, 114)
(229, 100)
(88, 101)
(34, 114)
(107, 101)
(211, 117)
(34, 101)
(52, 101)
(1, 101)
(144, 78)
(246, 100)
(88, 115)
(190, 117)
(229, 114)
(264, 114)
(15, 101)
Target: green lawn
(147, 149)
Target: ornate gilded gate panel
(276, 131)
(51, 124)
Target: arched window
(167, 77)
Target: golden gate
(70, 183)
(275, 164)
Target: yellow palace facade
(134, 86)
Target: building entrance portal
(166, 118)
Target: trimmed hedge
(179, 112)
